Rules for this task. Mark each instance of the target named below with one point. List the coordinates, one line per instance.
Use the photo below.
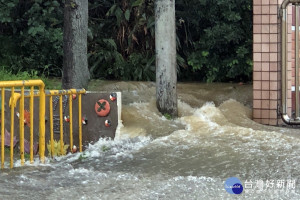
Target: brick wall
(266, 61)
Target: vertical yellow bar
(51, 124)
(21, 124)
(2, 126)
(61, 122)
(79, 123)
(42, 122)
(31, 122)
(71, 120)
(12, 119)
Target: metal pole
(61, 130)
(71, 120)
(21, 124)
(31, 122)
(283, 61)
(12, 127)
(297, 60)
(42, 122)
(2, 126)
(79, 122)
(51, 125)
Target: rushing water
(190, 157)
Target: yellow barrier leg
(80, 123)
(42, 123)
(61, 122)
(2, 126)
(51, 125)
(12, 124)
(71, 121)
(31, 123)
(21, 123)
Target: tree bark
(75, 66)
(165, 47)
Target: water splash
(154, 158)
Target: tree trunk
(75, 69)
(165, 47)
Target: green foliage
(214, 38)
(82, 157)
(31, 36)
(27, 156)
(121, 40)
(105, 148)
(7, 75)
(168, 116)
(6, 150)
(57, 148)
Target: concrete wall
(93, 128)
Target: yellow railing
(61, 93)
(22, 84)
(41, 93)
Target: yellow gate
(41, 93)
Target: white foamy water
(186, 158)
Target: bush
(121, 42)
(31, 36)
(214, 38)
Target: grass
(7, 75)
(105, 148)
(16, 154)
(6, 150)
(168, 116)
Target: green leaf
(205, 53)
(55, 3)
(127, 15)
(10, 5)
(119, 14)
(73, 5)
(111, 42)
(150, 22)
(111, 10)
(137, 3)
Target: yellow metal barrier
(61, 93)
(41, 94)
(22, 84)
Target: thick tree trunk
(75, 70)
(165, 45)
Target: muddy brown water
(190, 157)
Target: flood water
(189, 157)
